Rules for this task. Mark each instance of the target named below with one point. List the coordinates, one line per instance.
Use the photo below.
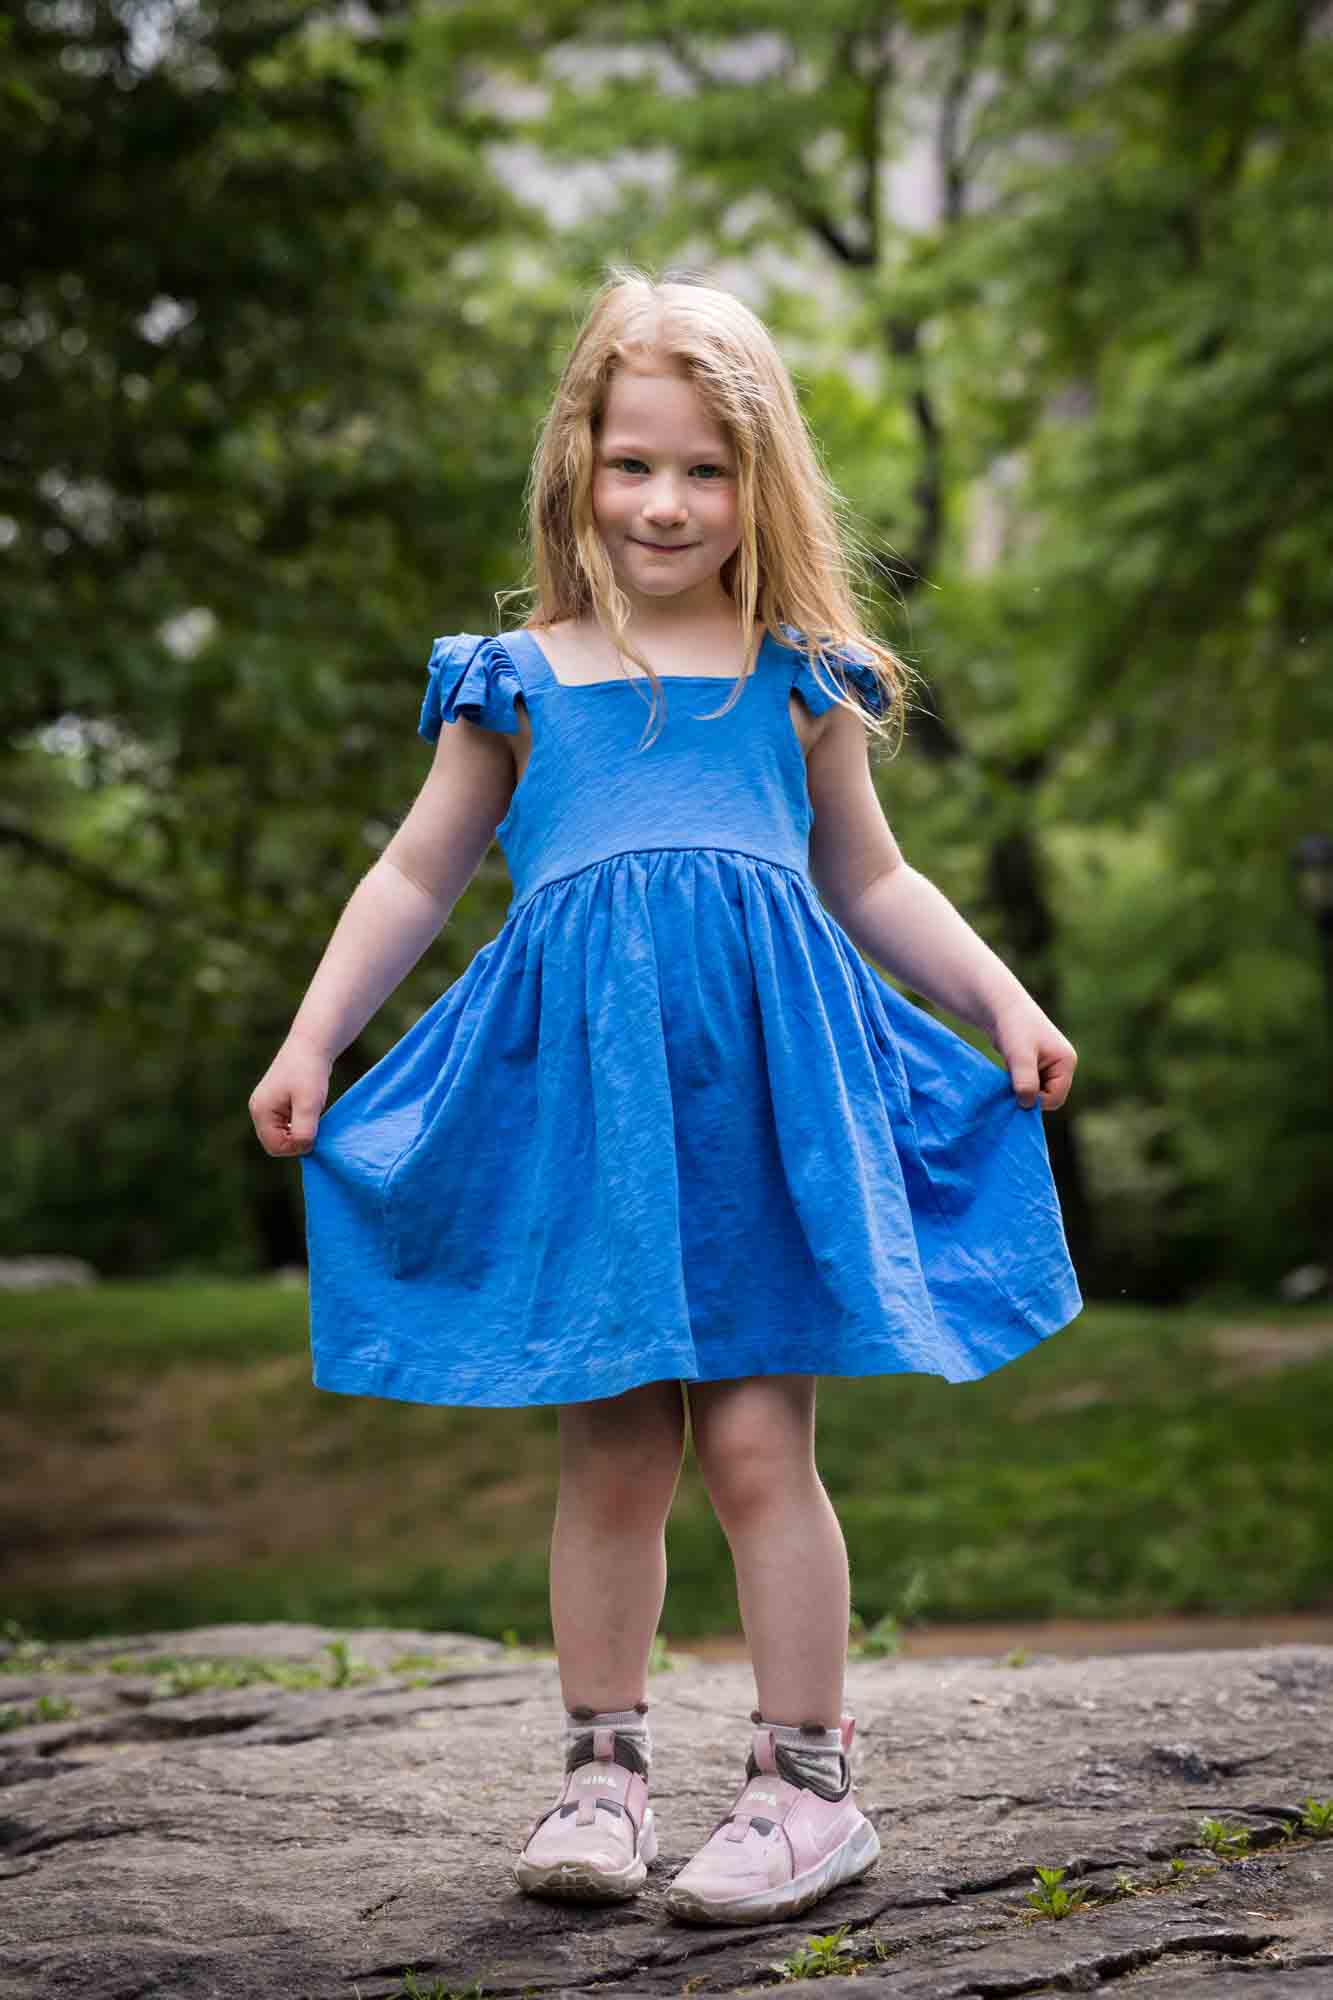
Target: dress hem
(342, 1377)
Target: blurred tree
(266, 419)
(1080, 256)
(1054, 281)
(1167, 293)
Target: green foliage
(660, 1658)
(171, 1676)
(46, 1708)
(1049, 1898)
(1222, 1838)
(1187, 1472)
(885, 1636)
(280, 332)
(263, 447)
(411, 1989)
(819, 1957)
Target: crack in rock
(18, 1839)
(153, 1726)
(19, 1770)
(1184, 1760)
(1035, 1966)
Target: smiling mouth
(662, 548)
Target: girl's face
(664, 491)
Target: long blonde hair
(799, 562)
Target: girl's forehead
(655, 396)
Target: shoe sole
(576, 1881)
(848, 1863)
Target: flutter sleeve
(473, 676)
(856, 672)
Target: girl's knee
(754, 1441)
(620, 1457)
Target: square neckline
(627, 680)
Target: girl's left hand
(1040, 1060)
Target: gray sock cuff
(814, 1732)
(632, 1742)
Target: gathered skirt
(669, 1124)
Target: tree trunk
(1015, 887)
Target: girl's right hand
(287, 1101)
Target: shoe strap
(763, 1748)
(615, 1778)
(606, 1744)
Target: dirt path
(1079, 1638)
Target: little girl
(670, 1127)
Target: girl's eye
(706, 467)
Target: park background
(287, 292)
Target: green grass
(1128, 1466)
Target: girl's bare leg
(620, 1459)
(755, 1442)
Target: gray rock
(316, 1841)
(36, 1274)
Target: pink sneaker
(781, 1847)
(595, 1843)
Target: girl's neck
(673, 645)
(652, 625)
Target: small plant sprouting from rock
(882, 1638)
(20, 1653)
(818, 1956)
(1317, 1817)
(175, 1676)
(437, 1990)
(1049, 1898)
(1221, 1838)
(341, 1671)
(1018, 1656)
(46, 1708)
(660, 1660)
(885, 1635)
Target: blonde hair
(799, 562)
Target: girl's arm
(405, 899)
(397, 907)
(900, 919)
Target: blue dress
(669, 1124)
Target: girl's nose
(665, 502)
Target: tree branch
(86, 873)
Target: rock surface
(321, 1842)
